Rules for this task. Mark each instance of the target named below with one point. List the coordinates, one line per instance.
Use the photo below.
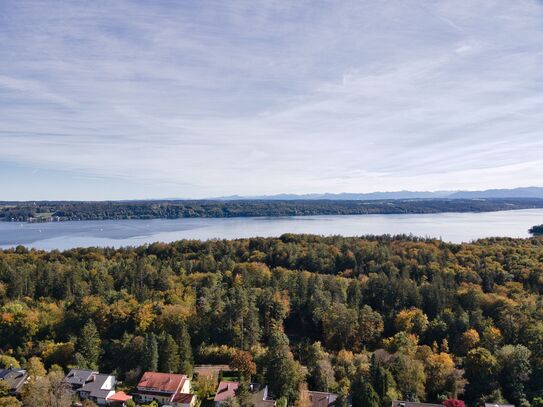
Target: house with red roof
(88, 384)
(118, 399)
(168, 389)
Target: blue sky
(151, 99)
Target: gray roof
(94, 387)
(14, 377)
(498, 405)
(320, 398)
(78, 377)
(259, 395)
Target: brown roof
(226, 390)
(165, 382)
(119, 396)
(183, 398)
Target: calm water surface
(452, 227)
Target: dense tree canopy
(173, 209)
(380, 318)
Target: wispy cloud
(250, 97)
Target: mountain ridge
(520, 192)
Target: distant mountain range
(525, 192)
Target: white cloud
(264, 97)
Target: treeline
(59, 211)
(378, 318)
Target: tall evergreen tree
(150, 353)
(90, 345)
(283, 372)
(185, 351)
(364, 395)
(243, 394)
(169, 361)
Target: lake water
(452, 227)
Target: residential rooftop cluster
(87, 388)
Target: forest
(100, 210)
(377, 318)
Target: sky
(190, 99)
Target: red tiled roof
(226, 390)
(183, 398)
(166, 382)
(119, 396)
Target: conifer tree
(150, 353)
(185, 351)
(90, 346)
(169, 355)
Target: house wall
(186, 387)
(109, 384)
(145, 398)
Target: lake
(451, 227)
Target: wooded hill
(68, 210)
(378, 317)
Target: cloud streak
(262, 97)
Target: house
(398, 403)
(76, 378)
(166, 388)
(15, 378)
(259, 394)
(98, 389)
(319, 398)
(226, 390)
(118, 399)
(184, 400)
(498, 405)
(91, 385)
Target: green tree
(149, 360)
(243, 395)
(282, 371)
(410, 377)
(169, 360)
(370, 326)
(515, 372)
(205, 386)
(231, 402)
(321, 372)
(382, 382)
(481, 369)
(6, 361)
(185, 351)
(340, 327)
(364, 395)
(35, 368)
(10, 402)
(89, 345)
